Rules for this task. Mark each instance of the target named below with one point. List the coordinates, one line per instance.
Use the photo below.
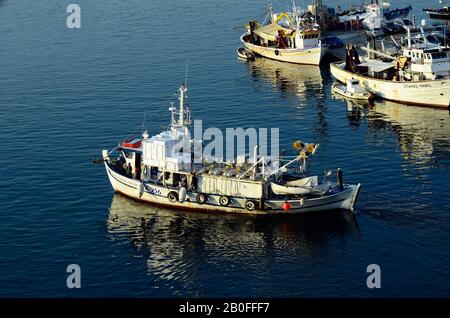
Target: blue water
(67, 94)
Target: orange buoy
(286, 206)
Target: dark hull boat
(438, 16)
(390, 15)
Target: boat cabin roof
(270, 31)
(378, 66)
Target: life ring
(201, 198)
(277, 52)
(250, 205)
(172, 196)
(224, 201)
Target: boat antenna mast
(184, 113)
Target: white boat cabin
(431, 63)
(354, 87)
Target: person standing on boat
(137, 172)
(280, 40)
(121, 165)
(128, 170)
(193, 181)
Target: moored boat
(419, 74)
(438, 16)
(352, 89)
(287, 37)
(155, 171)
(374, 15)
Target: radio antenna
(186, 76)
(143, 122)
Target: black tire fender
(250, 205)
(201, 198)
(224, 200)
(172, 196)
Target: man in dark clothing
(128, 170)
(194, 181)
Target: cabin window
(176, 178)
(153, 172)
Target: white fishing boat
(287, 37)
(418, 74)
(152, 170)
(379, 12)
(373, 15)
(353, 89)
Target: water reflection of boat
(423, 133)
(182, 249)
(298, 79)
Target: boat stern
(350, 203)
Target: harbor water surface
(68, 94)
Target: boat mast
(408, 32)
(182, 90)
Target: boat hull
(158, 195)
(424, 93)
(438, 18)
(311, 56)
